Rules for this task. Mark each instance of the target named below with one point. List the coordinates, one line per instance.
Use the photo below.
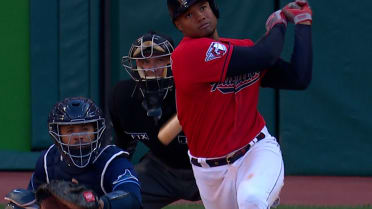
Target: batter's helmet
(177, 7)
(77, 111)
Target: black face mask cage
(157, 77)
(78, 153)
(154, 81)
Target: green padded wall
(50, 50)
(65, 57)
(326, 129)
(15, 77)
(15, 122)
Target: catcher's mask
(148, 64)
(78, 148)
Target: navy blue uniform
(110, 171)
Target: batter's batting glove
(275, 18)
(298, 12)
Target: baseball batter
(236, 162)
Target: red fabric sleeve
(201, 60)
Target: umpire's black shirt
(131, 124)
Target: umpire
(143, 106)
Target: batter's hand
(275, 18)
(298, 12)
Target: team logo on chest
(236, 83)
(215, 50)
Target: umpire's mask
(148, 64)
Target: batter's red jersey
(217, 114)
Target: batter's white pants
(252, 182)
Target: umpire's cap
(178, 7)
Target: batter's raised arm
(260, 56)
(296, 74)
(265, 52)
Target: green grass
(191, 206)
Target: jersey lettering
(182, 139)
(138, 136)
(236, 83)
(215, 50)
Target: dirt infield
(330, 191)
(298, 190)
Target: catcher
(76, 172)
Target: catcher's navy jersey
(110, 171)
(131, 125)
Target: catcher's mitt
(64, 194)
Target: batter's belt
(229, 159)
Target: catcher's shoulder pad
(21, 197)
(106, 155)
(109, 151)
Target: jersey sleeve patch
(216, 50)
(126, 177)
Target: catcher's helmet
(77, 111)
(153, 80)
(177, 7)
